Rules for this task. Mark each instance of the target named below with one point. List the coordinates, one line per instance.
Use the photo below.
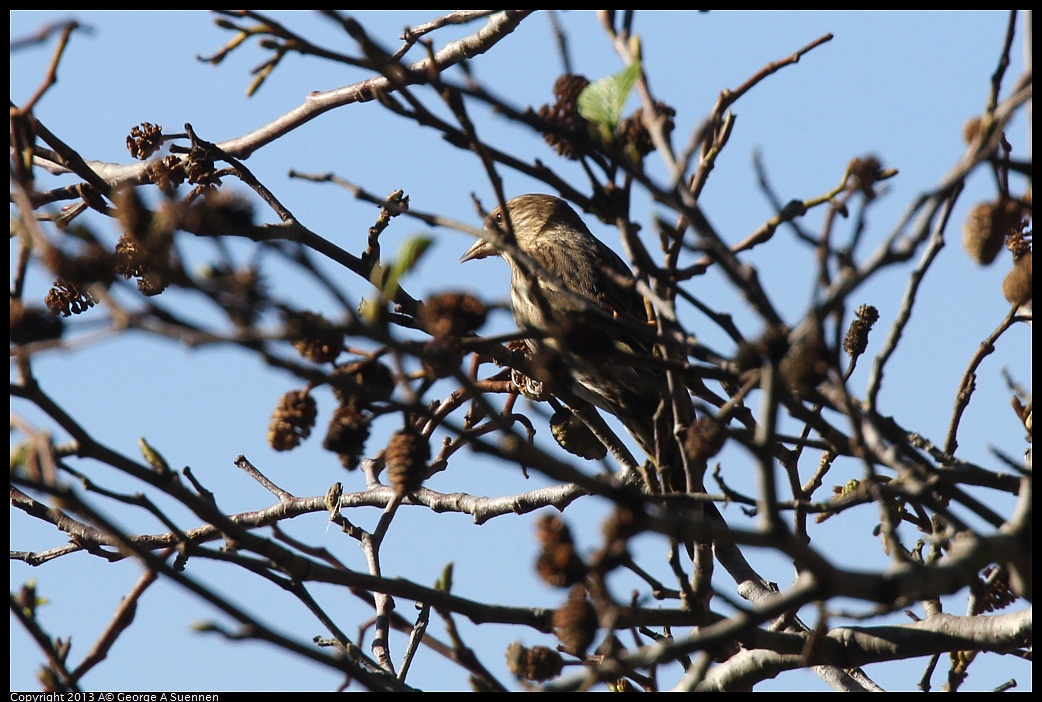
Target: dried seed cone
(130, 259)
(241, 292)
(30, 324)
(970, 130)
(864, 174)
(152, 283)
(704, 439)
(576, 622)
(1016, 287)
(144, 251)
(346, 435)
(61, 300)
(314, 337)
(406, 456)
(66, 299)
(538, 663)
(167, 173)
(986, 228)
(292, 421)
(565, 114)
(558, 564)
(441, 357)
(622, 525)
(996, 594)
(452, 314)
(92, 265)
(633, 134)
(856, 340)
(805, 366)
(144, 140)
(575, 437)
(361, 383)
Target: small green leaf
(386, 278)
(154, 458)
(409, 254)
(370, 310)
(444, 583)
(602, 102)
(20, 455)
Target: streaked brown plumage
(595, 352)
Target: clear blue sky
(898, 85)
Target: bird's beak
(480, 249)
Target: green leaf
(444, 582)
(370, 310)
(20, 456)
(602, 102)
(154, 458)
(386, 278)
(409, 254)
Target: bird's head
(522, 222)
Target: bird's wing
(608, 284)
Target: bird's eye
(499, 217)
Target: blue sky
(899, 85)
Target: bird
(580, 304)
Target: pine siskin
(595, 356)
